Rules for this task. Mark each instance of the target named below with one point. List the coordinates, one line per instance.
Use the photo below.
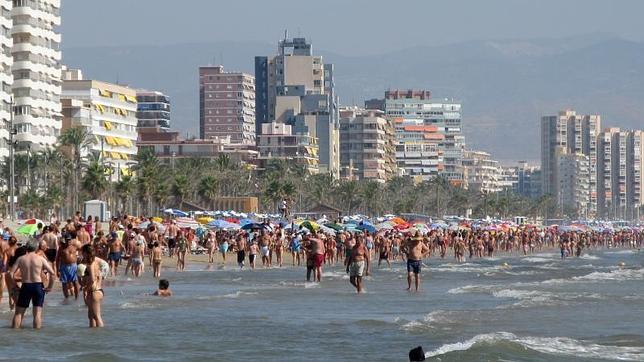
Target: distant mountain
(505, 86)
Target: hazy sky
(344, 26)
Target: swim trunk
(115, 257)
(396, 250)
(241, 255)
(318, 260)
(356, 269)
(68, 273)
(384, 255)
(223, 248)
(414, 266)
(3, 266)
(251, 258)
(33, 293)
(137, 261)
(172, 243)
(51, 255)
(265, 251)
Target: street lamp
(12, 171)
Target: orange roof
(421, 128)
(433, 136)
(399, 120)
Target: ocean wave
(237, 294)
(429, 321)
(589, 257)
(476, 288)
(536, 259)
(533, 298)
(561, 346)
(613, 275)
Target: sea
(506, 308)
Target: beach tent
(367, 226)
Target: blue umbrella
(244, 222)
(252, 226)
(221, 224)
(367, 226)
(176, 212)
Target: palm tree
(320, 187)
(207, 190)
(94, 180)
(77, 140)
(161, 194)
(180, 188)
(371, 193)
(348, 193)
(124, 189)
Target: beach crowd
(82, 252)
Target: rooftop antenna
(221, 57)
(285, 34)
(214, 60)
(117, 78)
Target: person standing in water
(415, 251)
(358, 264)
(156, 259)
(32, 290)
(91, 280)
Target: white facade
(484, 174)
(6, 78)
(108, 112)
(444, 114)
(37, 73)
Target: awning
(110, 140)
(131, 99)
(108, 125)
(115, 155)
(122, 97)
(126, 171)
(105, 93)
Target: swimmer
(164, 289)
(415, 251)
(358, 264)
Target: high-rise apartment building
(417, 108)
(226, 105)
(482, 173)
(6, 77)
(573, 182)
(620, 163)
(528, 180)
(108, 113)
(153, 109)
(575, 134)
(297, 88)
(367, 145)
(278, 142)
(36, 71)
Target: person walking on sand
(31, 266)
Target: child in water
(164, 289)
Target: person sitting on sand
(164, 289)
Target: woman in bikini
(91, 281)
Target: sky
(348, 27)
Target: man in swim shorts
(67, 266)
(415, 251)
(358, 264)
(32, 291)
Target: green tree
(180, 189)
(207, 190)
(94, 180)
(77, 140)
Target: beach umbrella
(311, 225)
(30, 227)
(157, 219)
(219, 224)
(367, 226)
(204, 220)
(243, 222)
(255, 226)
(176, 212)
(387, 225)
(334, 226)
(186, 223)
(327, 230)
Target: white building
(445, 115)
(573, 182)
(482, 173)
(108, 112)
(6, 61)
(36, 72)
